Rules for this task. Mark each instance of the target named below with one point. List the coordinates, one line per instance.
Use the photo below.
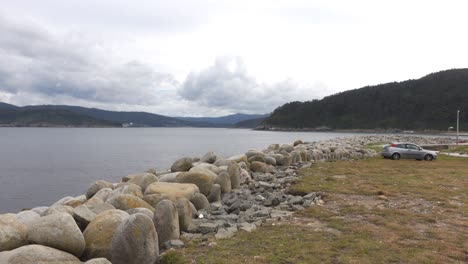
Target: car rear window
(400, 145)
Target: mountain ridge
(427, 103)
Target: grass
(458, 149)
(376, 211)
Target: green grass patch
(424, 219)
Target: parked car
(401, 150)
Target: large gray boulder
(257, 166)
(215, 194)
(158, 191)
(96, 186)
(58, 231)
(27, 217)
(209, 157)
(185, 213)
(201, 169)
(97, 206)
(83, 216)
(58, 209)
(99, 233)
(234, 172)
(166, 221)
(126, 188)
(98, 261)
(200, 201)
(127, 201)
(103, 194)
(183, 164)
(140, 210)
(37, 254)
(169, 177)
(135, 241)
(224, 180)
(13, 233)
(203, 181)
(142, 180)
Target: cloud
(37, 63)
(228, 85)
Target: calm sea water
(38, 166)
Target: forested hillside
(427, 103)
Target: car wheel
(396, 156)
(428, 157)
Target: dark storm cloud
(36, 62)
(227, 84)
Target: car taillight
(392, 145)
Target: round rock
(185, 213)
(183, 164)
(203, 181)
(37, 254)
(200, 201)
(99, 233)
(166, 221)
(135, 241)
(13, 233)
(96, 186)
(59, 231)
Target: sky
(219, 57)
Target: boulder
(58, 209)
(127, 201)
(298, 142)
(215, 194)
(27, 217)
(103, 194)
(13, 233)
(296, 157)
(96, 186)
(37, 254)
(222, 162)
(224, 181)
(166, 221)
(203, 181)
(98, 261)
(185, 213)
(83, 216)
(211, 167)
(143, 180)
(126, 188)
(209, 157)
(205, 171)
(77, 201)
(97, 206)
(274, 147)
(99, 233)
(135, 241)
(282, 160)
(234, 172)
(172, 190)
(238, 158)
(183, 164)
(169, 177)
(59, 231)
(200, 201)
(286, 148)
(270, 160)
(144, 211)
(40, 209)
(257, 166)
(245, 176)
(260, 158)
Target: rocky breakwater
(209, 197)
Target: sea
(38, 166)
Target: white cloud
(228, 85)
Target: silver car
(401, 150)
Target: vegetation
(49, 118)
(427, 103)
(375, 211)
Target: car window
(408, 146)
(400, 145)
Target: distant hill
(56, 115)
(251, 123)
(18, 117)
(136, 118)
(223, 121)
(428, 103)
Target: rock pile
(133, 220)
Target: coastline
(224, 196)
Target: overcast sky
(211, 58)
